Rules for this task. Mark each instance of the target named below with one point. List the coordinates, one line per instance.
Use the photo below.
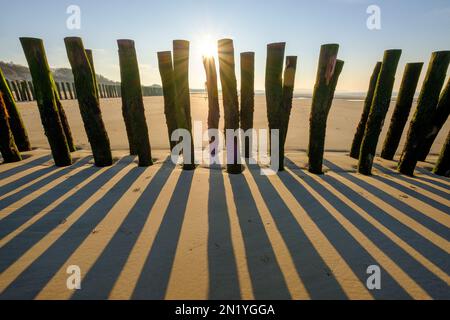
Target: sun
(207, 46)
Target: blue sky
(416, 26)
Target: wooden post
(64, 91)
(74, 91)
(8, 147)
(166, 71)
(88, 101)
(230, 103)
(213, 99)
(30, 85)
(25, 92)
(64, 121)
(94, 74)
(320, 103)
(274, 90)
(46, 99)
(439, 119)
(183, 99)
(286, 107)
(58, 90)
(421, 124)
(22, 91)
(14, 118)
(442, 167)
(16, 90)
(402, 108)
(132, 103)
(247, 98)
(356, 144)
(69, 90)
(378, 110)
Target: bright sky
(416, 26)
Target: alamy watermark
(373, 22)
(73, 21)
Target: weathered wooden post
(94, 74)
(213, 99)
(183, 99)
(8, 147)
(357, 139)
(74, 91)
(167, 79)
(88, 101)
(421, 123)
(442, 167)
(30, 85)
(23, 96)
(46, 99)
(378, 110)
(320, 103)
(58, 90)
(274, 92)
(25, 91)
(286, 107)
(63, 87)
(402, 108)
(230, 103)
(439, 119)
(132, 103)
(69, 90)
(16, 90)
(14, 118)
(247, 98)
(64, 121)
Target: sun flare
(208, 47)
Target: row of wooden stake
(432, 111)
(279, 86)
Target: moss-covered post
(8, 148)
(320, 102)
(380, 105)
(439, 119)
(88, 102)
(14, 118)
(94, 74)
(58, 90)
(166, 71)
(357, 139)
(402, 108)
(442, 167)
(213, 98)
(247, 98)
(230, 103)
(286, 107)
(274, 91)
(132, 102)
(181, 76)
(46, 99)
(421, 123)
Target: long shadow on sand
(223, 276)
(434, 286)
(36, 276)
(265, 273)
(154, 278)
(19, 168)
(101, 278)
(314, 272)
(16, 196)
(409, 235)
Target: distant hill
(14, 71)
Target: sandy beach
(163, 233)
